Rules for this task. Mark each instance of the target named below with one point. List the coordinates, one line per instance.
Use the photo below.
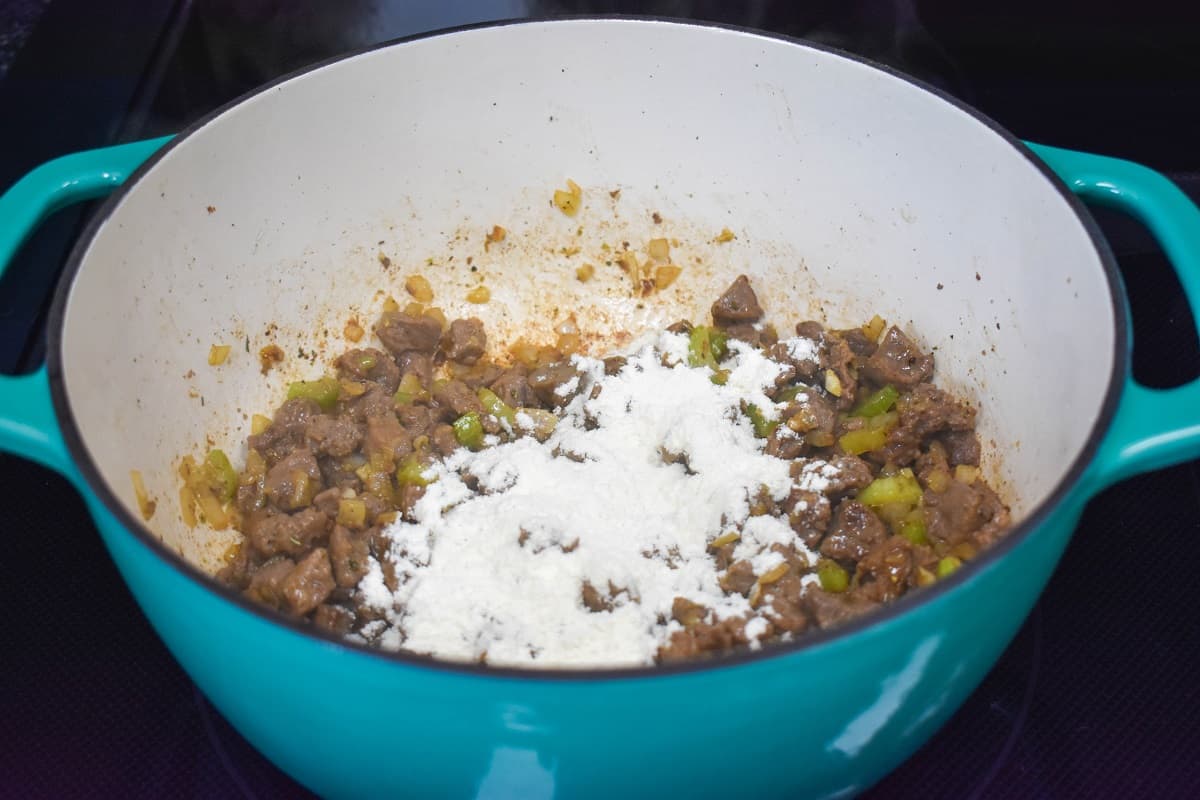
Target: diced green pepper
(791, 393)
(833, 578)
(493, 405)
(324, 391)
(222, 474)
(468, 429)
(899, 488)
(862, 441)
(763, 427)
(947, 566)
(912, 528)
(706, 347)
(366, 362)
(877, 402)
(412, 473)
(410, 390)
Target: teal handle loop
(27, 424)
(1153, 428)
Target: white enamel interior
(851, 192)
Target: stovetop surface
(1095, 697)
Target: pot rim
(910, 601)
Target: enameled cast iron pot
(852, 190)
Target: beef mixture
(900, 505)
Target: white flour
(501, 572)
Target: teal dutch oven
(852, 190)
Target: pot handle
(27, 422)
(1152, 428)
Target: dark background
(1097, 695)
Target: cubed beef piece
(555, 384)
(370, 364)
(348, 553)
(309, 583)
(387, 439)
(457, 398)
(739, 303)
(898, 361)
(294, 481)
(287, 429)
(266, 586)
(465, 340)
(290, 534)
(513, 387)
(401, 332)
(334, 436)
(854, 531)
(418, 364)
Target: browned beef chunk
(309, 583)
(830, 609)
(348, 552)
(898, 361)
(465, 340)
(840, 359)
(334, 436)
(682, 326)
(593, 599)
(236, 572)
(811, 329)
(340, 473)
(416, 363)
(808, 514)
(550, 382)
(444, 440)
(850, 473)
(886, 569)
(457, 398)
(803, 363)
(417, 420)
(855, 530)
(931, 461)
(785, 608)
(704, 638)
(387, 439)
(401, 332)
(513, 387)
(373, 403)
(266, 586)
(961, 510)
(336, 619)
(409, 494)
(327, 501)
(739, 578)
(924, 411)
(481, 374)
(739, 303)
(841, 474)
(294, 481)
(287, 429)
(290, 534)
(785, 443)
(687, 613)
(370, 364)
(860, 344)
(962, 447)
(745, 332)
(614, 364)
(814, 416)
(998, 517)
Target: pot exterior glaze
(837, 176)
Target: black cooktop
(1095, 697)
